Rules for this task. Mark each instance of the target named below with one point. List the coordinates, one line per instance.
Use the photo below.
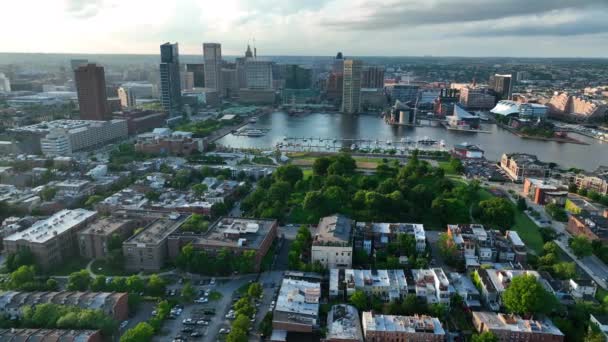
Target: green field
(528, 231)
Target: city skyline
(321, 27)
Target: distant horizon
(296, 55)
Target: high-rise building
(127, 97)
(5, 83)
(170, 84)
(198, 71)
(213, 65)
(75, 63)
(351, 87)
(186, 80)
(502, 85)
(406, 93)
(477, 98)
(297, 77)
(91, 90)
(258, 74)
(229, 82)
(338, 66)
(373, 77)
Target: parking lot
(483, 169)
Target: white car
(212, 282)
(124, 324)
(201, 300)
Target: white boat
(253, 120)
(388, 142)
(254, 133)
(353, 146)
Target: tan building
(519, 166)
(50, 335)
(597, 181)
(351, 86)
(113, 304)
(385, 328)
(176, 144)
(476, 98)
(127, 97)
(147, 250)
(332, 244)
(93, 240)
(513, 328)
(594, 227)
(54, 240)
(297, 306)
(233, 234)
(575, 108)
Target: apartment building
(381, 328)
(519, 166)
(147, 250)
(297, 306)
(377, 236)
(50, 335)
(543, 192)
(596, 181)
(494, 282)
(477, 98)
(432, 285)
(176, 144)
(234, 234)
(513, 328)
(53, 240)
(465, 288)
(343, 324)
(113, 304)
(93, 240)
(332, 244)
(389, 285)
(593, 226)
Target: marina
(343, 128)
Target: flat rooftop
(406, 324)
(105, 226)
(104, 301)
(46, 335)
(236, 232)
(333, 229)
(46, 126)
(499, 321)
(158, 230)
(299, 297)
(44, 230)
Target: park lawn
(70, 266)
(101, 267)
(528, 231)
(447, 168)
(307, 173)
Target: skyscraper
(91, 90)
(502, 86)
(170, 84)
(198, 71)
(127, 97)
(75, 63)
(297, 77)
(213, 65)
(351, 87)
(373, 77)
(338, 66)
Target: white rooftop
(59, 223)
(299, 297)
(407, 324)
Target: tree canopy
(525, 296)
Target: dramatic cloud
(312, 27)
(380, 15)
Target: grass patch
(214, 295)
(69, 266)
(447, 168)
(528, 231)
(262, 160)
(307, 173)
(101, 267)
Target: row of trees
(224, 262)
(53, 316)
(24, 279)
(410, 305)
(244, 308)
(550, 262)
(144, 331)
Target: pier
(320, 144)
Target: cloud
(83, 9)
(381, 15)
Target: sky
(525, 28)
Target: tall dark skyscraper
(91, 90)
(502, 86)
(170, 91)
(198, 70)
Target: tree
(486, 336)
(23, 275)
(581, 246)
(52, 285)
(188, 293)
(93, 199)
(241, 322)
(48, 193)
(22, 257)
(135, 284)
(254, 290)
(359, 300)
(288, 173)
(199, 189)
(219, 209)
(526, 296)
(521, 204)
(79, 281)
(99, 283)
(565, 270)
(156, 285)
(497, 212)
(152, 195)
(237, 335)
(320, 165)
(142, 332)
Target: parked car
(124, 324)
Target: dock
(321, 144)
